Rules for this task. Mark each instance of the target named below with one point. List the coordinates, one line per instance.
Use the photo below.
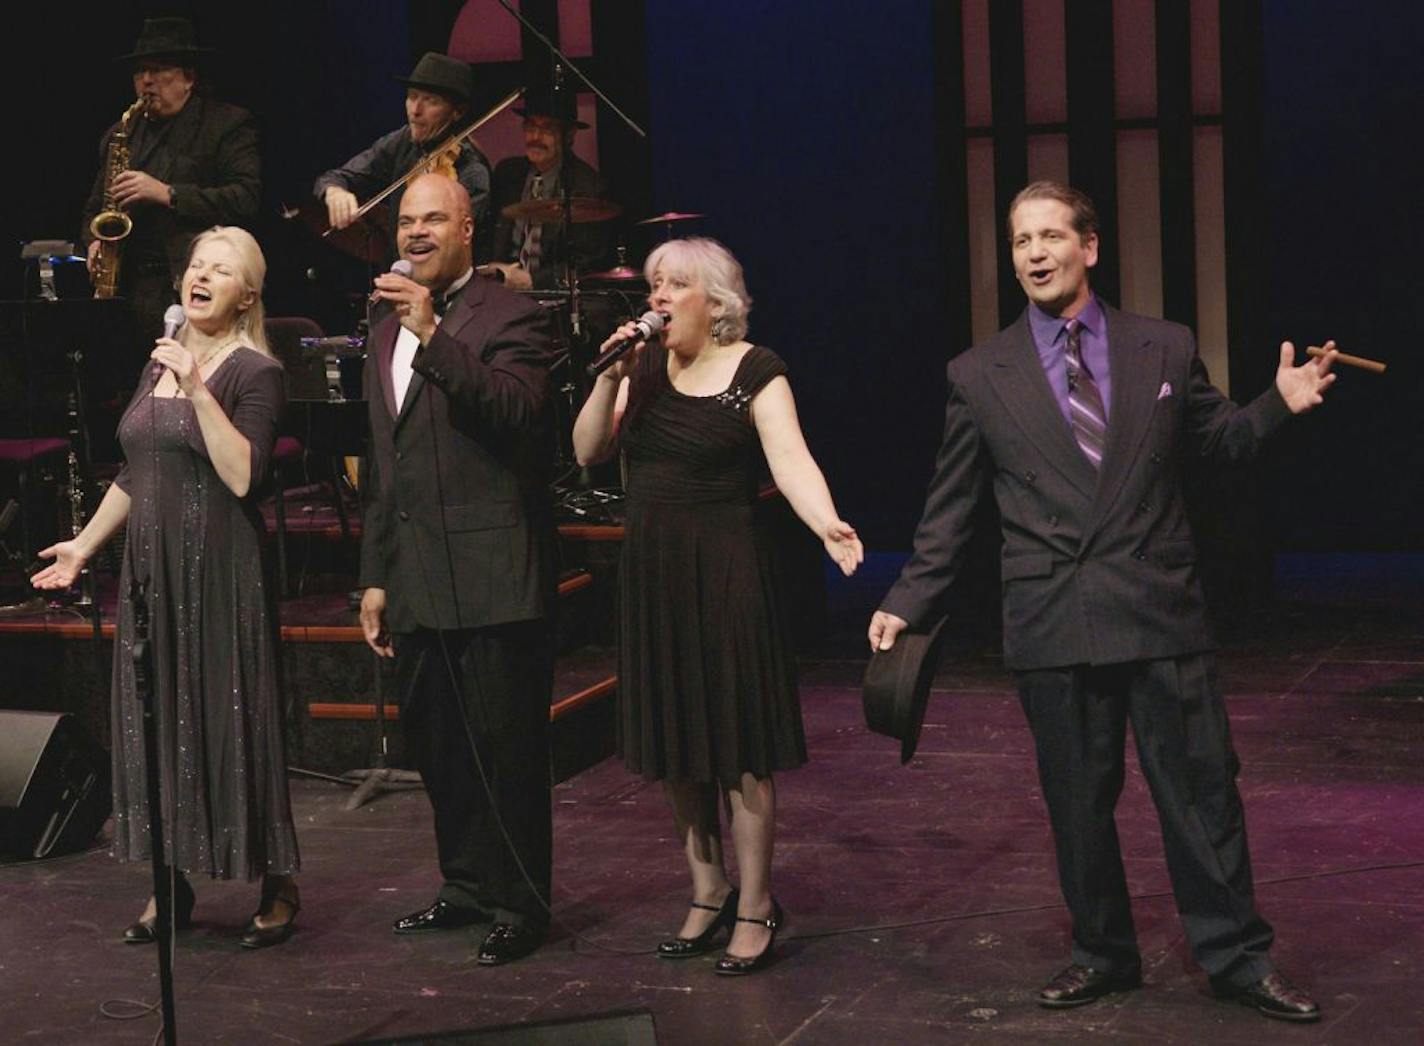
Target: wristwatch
(172, 197)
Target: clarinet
(85, 580)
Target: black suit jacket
(590, 242)
(458, 520)
(1097, 568)
(208, 153)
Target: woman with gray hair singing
(706, 682)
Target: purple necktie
(1085, 403)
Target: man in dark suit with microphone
(457, 561)
(1078, 417)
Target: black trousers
(498, 705)
(1078, 716)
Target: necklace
(202, 362)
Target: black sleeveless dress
(706, 682)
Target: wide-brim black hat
(897, 685)
(444, 75)
(171, 38)
(560, 105)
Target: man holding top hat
(1079, 417)
(437, 101)
(193, 163)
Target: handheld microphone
(400, 267)
(173, 318)
(650, 323)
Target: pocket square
(1165, 390)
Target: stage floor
(922, 901)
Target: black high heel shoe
(687, 947)
(735, 965)
(255, 936)
(145, 931)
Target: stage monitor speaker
(54, 785)
(619, 1028)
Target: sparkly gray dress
(213, 634)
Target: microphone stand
(560, 56)
(162, 874)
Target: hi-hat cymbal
(544, 212)
(617, 274)
(670, 216)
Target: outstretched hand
(64, 571)
(1303, 388)
(843, 546)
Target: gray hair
(719, 275)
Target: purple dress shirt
(1051, 340)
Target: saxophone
(111, 225)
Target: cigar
(1374, 366)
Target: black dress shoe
(145, 931)
(736, 965)
(506, 942)
(255, 936)
(442, 915)
(1273, 996)
(686, 947)
(1078, 985)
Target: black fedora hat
(170, 38)
(444, 75)
(560, 105)
(897, 685)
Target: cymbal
(544, 212)
(670, 216)
(617, 274)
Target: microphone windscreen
(402, 267)
(174, 317)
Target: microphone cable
(457, 690)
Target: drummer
(529, 254)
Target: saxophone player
(191, 162)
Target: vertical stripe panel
(985, 234)
(1211, 257)
(1046, 85)
(1092, 139)
(1206, 57)
(1006, 76)
(1139, 219)
(1134, 59)
(1048, 157)
(1174, 114)
(978, 106)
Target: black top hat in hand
(166, 38)
(897, 685)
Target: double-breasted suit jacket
(1098, 567)
(466, 457)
